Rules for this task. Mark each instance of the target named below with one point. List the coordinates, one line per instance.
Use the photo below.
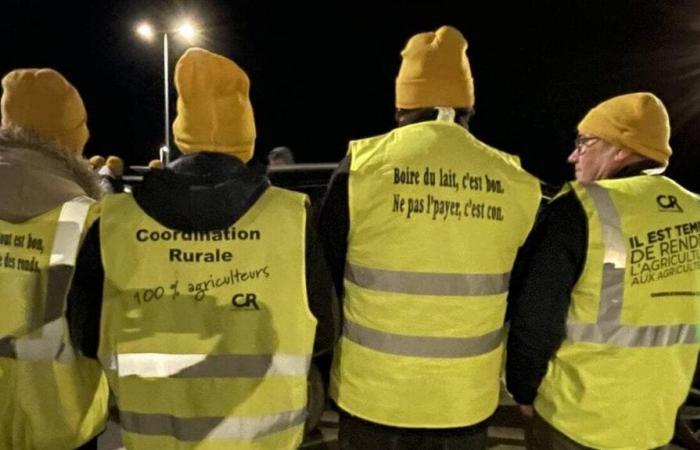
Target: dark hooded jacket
(198, 192)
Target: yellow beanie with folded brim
(435, 71)
(155, 164)
(44, 102)
(214, 113)
(637, 122)
(97, 161)
(116, 165)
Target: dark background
(322, 74)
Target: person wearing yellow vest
(203, 286)
(604, 331)
(421, 227)
(50, 396)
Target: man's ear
(622, 154)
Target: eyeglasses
(584, 142)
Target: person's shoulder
(565, 206)
(509, 161)
(370, 140)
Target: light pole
(186, 30)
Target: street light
(145, 30)
(187, 30)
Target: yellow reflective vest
(631, 343)
(50, 398)
(436, 219)
(206, 337)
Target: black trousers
(89, 445)
(358, 434)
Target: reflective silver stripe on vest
(614, 255)
(71, 223)
(608, 329)
(427, 283)
(630, 336)
(49, 339)
(162, 365)
(205, 428)
(421, 346)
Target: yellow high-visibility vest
(436, 219)
(206, 337)
(632, 329)
(50, 397)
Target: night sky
(324, 74)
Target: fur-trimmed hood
(36, 176)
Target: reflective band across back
(64, 251)
(422, 346)
(204, 428)
(427, 283)
(632, 336)
(162, 365)
(615, 250)
(71, 223)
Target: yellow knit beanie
(42, 101)
(638, 122)
(213, 109)
(435, 71)
(97, 162)
(116, 165)
(155, 164)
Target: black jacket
(334, 223)
(199, 192)
(548, 266)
